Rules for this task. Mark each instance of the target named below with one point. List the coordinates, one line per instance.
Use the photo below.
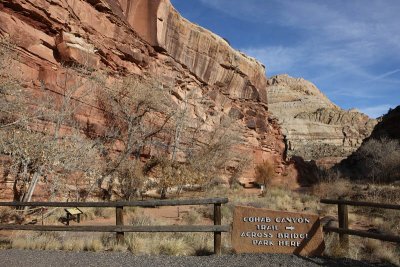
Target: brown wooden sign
(268, 231)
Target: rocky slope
(314, 127)
(388, 126)
(147, 38)
(378, 157)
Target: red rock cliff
(145, 37)
(206, 55)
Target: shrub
(192, 217)
(174, 247)
(377, 160)
(264, 173)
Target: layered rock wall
(150, 39)
(314, 127)
(208, 56)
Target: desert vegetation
(40, 138)
(382, 221)
(264, 173)
(276, 198)
(377, 160)
(148, 142)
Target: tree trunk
(180, 189)
(31, 189)
(16, 192)
(163, 193)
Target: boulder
(75, 49)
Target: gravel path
(21, 258)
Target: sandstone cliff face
(206, 55)
(144, 38)
(314, 127)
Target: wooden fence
(120, 228)
(343, 218)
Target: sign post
(267, 231)
(72, 212)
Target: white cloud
(385, 75)
(351, 49)
(336, 32)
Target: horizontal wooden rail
(389, 238)
(343, 218)
(120, 228)
(144, 203)
(116, 228)
(359, 203)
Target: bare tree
(36, 152)
(264, 174)
(130, 178)
(58, 104)
(139, 114)
(137, 110)
(35, 155)
(13, 101)
(203, 153)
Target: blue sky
(349, 48)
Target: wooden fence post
(119, 219)
(343, 223)
(217, 235)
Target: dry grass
(10, 215)
(275, 198)
(95, 213)
(385, 221)
(278, 198)
(332, 246)
(333, 189)
(192, 217)
(362, 249)
(55, 241)
(174, 247)
(182, 244)
(5, 243)
(74, 244)
(177, 244)
(37, 241)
